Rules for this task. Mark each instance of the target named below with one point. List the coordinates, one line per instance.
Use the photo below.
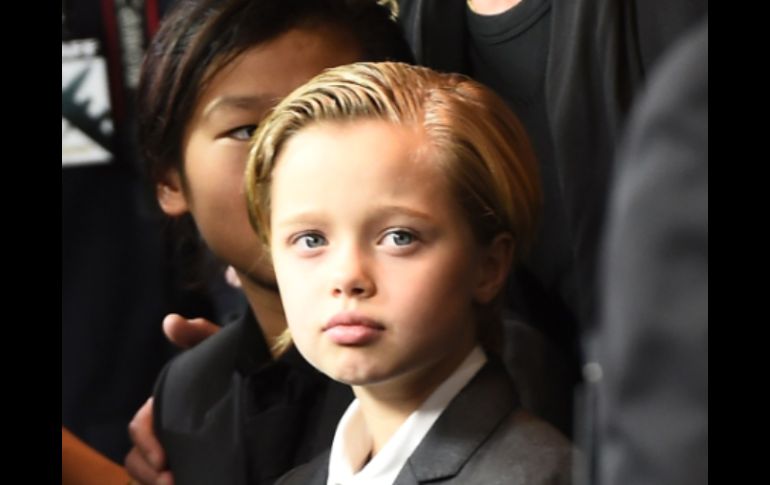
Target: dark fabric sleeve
(197, 412)
(600, 53)
(653, 342)
(315, 472)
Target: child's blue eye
(399, 238)
(242, 133)
(310, 241)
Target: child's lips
(352, 328)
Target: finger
(165, 478)
(142, 434)
(187, 333)
(139, 469)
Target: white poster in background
(86, 118)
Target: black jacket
(226, 413)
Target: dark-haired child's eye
(242, 133)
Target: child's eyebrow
(299, 217)
(314, 217)
(239, 102)
(395, 210)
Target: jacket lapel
(463, 427)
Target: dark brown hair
(199, 37)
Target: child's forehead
(377, 159)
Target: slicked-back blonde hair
(480, 144)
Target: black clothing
(652, 344)
(226, 412)
(600, 54)
(508, 52)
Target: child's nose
(352, 278)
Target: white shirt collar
(352, 443)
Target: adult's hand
(187, 332)
(146, 462)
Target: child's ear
(494, 267)
(170, 194)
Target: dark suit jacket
(226, 413)
(653, 342)
(483, 437)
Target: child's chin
(356, 377)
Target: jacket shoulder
(524, 449)
(315, 472)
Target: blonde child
(393, 200)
